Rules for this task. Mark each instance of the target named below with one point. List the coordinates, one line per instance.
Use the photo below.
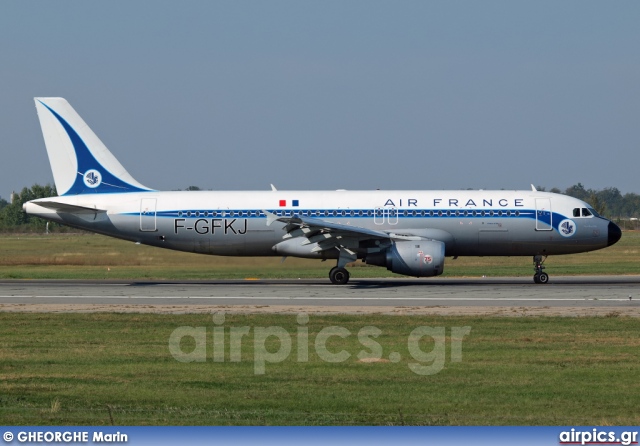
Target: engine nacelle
(423, 258)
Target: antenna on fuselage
(533, 188)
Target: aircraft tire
(536, 278)
(543, 278)
(339, 276)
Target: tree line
(14, 219)
(608, 202)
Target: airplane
(410, 232)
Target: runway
(562, 295)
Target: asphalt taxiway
(616, 293)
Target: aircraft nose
(614, 233)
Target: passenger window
(585, 212)
(576, 212)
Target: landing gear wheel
(338, 276)
(540, 277)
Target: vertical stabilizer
(80, 162)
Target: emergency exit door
(148, 214)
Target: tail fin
(80, 162)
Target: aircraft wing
(330, 235)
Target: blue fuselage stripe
(375, 214)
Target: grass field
(67, 256)
(69, 369)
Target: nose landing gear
(539, 276)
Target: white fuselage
(470, 223)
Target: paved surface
(477, 296)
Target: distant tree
(13, 217)
(612, 198)
(36, 191)
(630, 205)
(577, 191)
(599, 205)
(193, 188)
(555, 190)
(3, 203)
(541, 188)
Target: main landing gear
(338, 275)
(539, 276)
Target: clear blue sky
(332, 94)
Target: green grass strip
(69, 256)
(95, 369)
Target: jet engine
(422, 258)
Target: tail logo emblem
(92, 178)
(567, 228)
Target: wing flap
(321, 235)
(306, 227)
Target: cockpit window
(585, 212)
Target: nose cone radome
(614, 233)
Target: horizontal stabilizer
(68, 208)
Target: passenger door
(544, 217)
